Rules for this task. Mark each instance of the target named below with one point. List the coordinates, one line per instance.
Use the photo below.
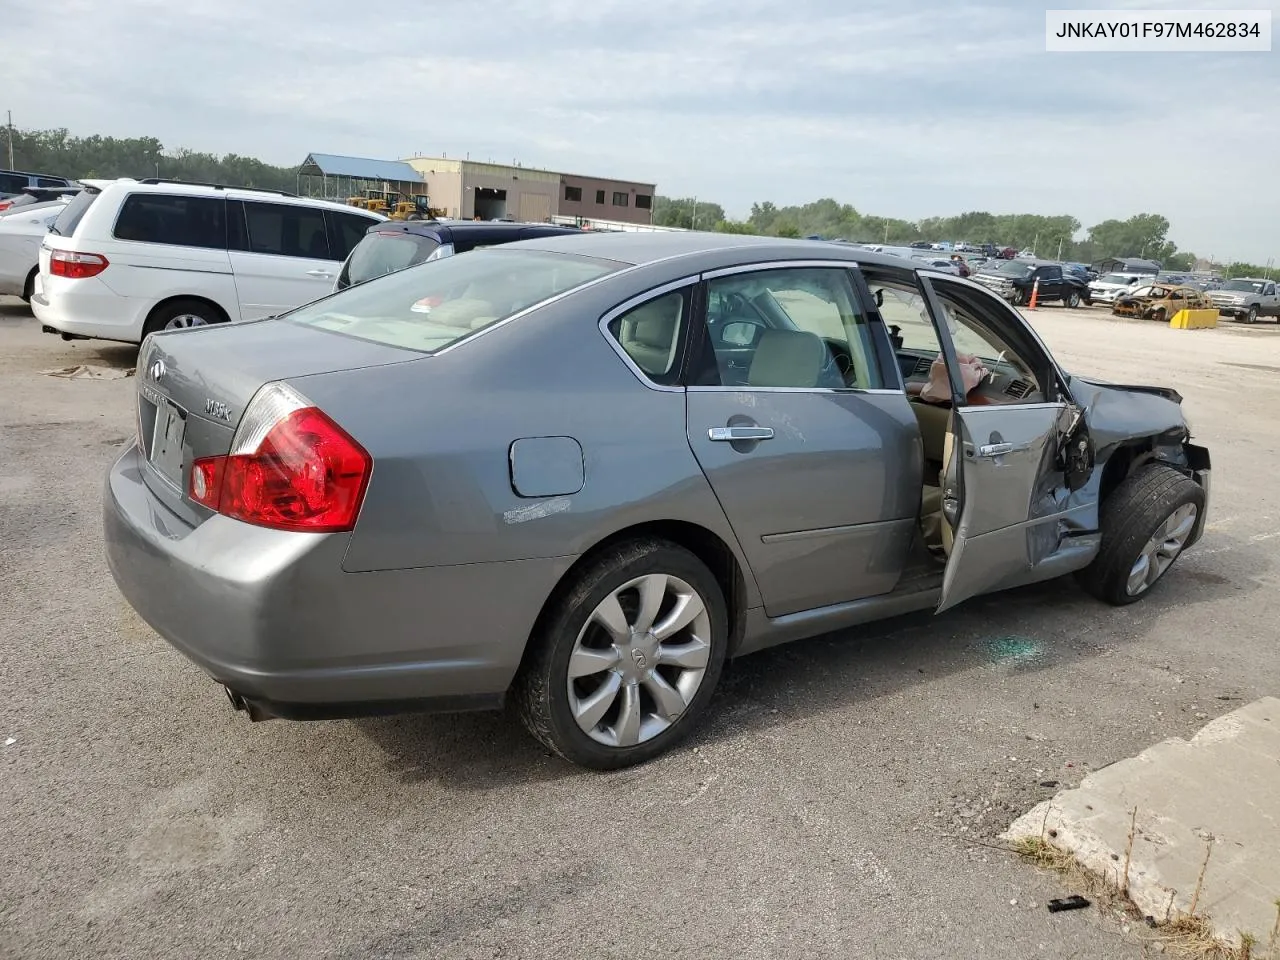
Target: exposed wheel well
(1123, 462)
(29, 287)
(187, 298)
(1136, 453)
(699, 541)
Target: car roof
(469, 229)
(181, 187)
(641, 247)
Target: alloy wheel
(1162, 549)
(184, 321)
(639, 660)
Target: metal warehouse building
(469, 188)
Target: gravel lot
(830, 807)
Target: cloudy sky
(906, 108)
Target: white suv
(144, 255)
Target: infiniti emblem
(639, 657)
(157, 370)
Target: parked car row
(117, 260)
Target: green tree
(689, 213)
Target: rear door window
(384, 252)
(286, 230)
(50, 182)
(12, 182)
(175, 220)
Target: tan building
(469, 188)
(593, 198)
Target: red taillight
(76, 266)
(306, 474)
(5, 204)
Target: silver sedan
(578, 473)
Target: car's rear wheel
(1145, 524)
(623, 664)
(182, 315)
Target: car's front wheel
(1252, 316)
(1073, 299)
(623, 664)
(1145, 524)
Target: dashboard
(1004, 382)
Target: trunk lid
(194, 385)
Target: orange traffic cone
(1035, 292)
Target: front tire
(1073, 300)
(1252, 316)
(1145, 525)
(623, 664)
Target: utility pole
(1059, 248)
(693, 217)
(886, 231)
(10, 124)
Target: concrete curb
(1218, 792)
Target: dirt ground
(837, 803)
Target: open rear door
(1001, 484)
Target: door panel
(1004, 483)
(285, 260)
(825, 505)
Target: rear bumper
(90, 309)
(272, 616)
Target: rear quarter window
(176, 220)
(346, 230)
(12, 182)
(73, 213)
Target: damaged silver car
(578, 473)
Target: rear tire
(182, 315)
(1145, 525)
(637, 693)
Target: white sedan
(20, 236)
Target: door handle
(995, 449)
(735, 434)
(319, 273)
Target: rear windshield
(74, 212)
(434, 304)
(385, 252)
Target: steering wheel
(839, 363)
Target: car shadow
(486, 751)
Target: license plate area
(162, 428)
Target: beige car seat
(649, 334)
(787, 358)
(933, 522)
